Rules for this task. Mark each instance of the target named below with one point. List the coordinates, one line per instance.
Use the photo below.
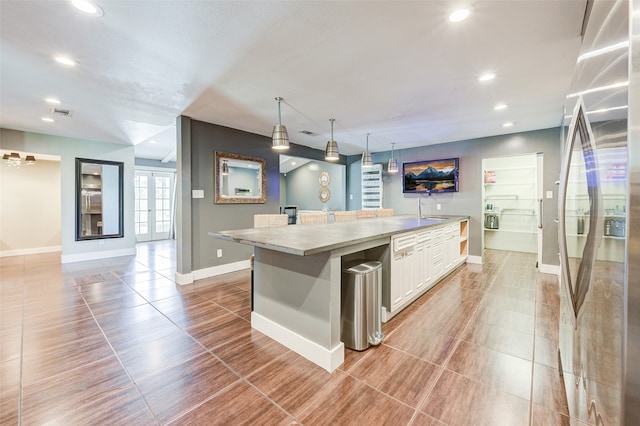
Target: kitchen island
(298, 271)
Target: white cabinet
(424, 261)
(452, 245)
(403, 269)
(419, 260)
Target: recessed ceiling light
(88, 7)
(293, 163)
(508, 124)
(48, 119)
(487, 76)
(152, 142)
(498, 107)
(52, 100)
(65, 61)
(459, 15)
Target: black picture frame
(431, 176)
(99, 199)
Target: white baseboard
(474, 259)
(213, 271)
(549, 269)
(184, 279)
(97, 255)
(329, 359)
(23, 252)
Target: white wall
(30, 208)
(68, 149)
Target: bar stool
(363, 214)
(342, 216)
(313, 217)
(384, 212)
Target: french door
(154, 205)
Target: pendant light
(331, 153)
(225, 168)
(279, 137)
(393, 163)
(367, 160)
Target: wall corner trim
(474, 259)
(549, 269)
(184, 279)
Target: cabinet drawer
(423, 237)
(401, 243)
(451, 229)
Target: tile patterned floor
(118, 342)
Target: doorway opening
(512, 203)
(154, 205)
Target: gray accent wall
(468, 201)
(199, 145)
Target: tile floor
(117, 342)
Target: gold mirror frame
(239, 162)
(324, 179)
(324, 194)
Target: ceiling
(397, 70)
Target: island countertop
(306, 240)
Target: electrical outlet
(549, 194)
(438, 206)
(219, 253)
(351, 196)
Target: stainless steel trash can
(361, 323)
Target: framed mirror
(239, 179)
(324, 194)
(324, 179)
(99, 199)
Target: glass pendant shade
(331, 153)
(393, 163)
(367, 159)
(279, 137)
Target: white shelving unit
(511, 203)
(372, 187)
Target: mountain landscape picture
(431, 176)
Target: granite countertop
(305, 240)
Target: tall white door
(540, 190)
(154, 194)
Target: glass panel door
(154, 192)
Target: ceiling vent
(306, 132)
(63, 112)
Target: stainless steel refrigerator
(600, 301)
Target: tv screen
(430, 176)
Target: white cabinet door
(452, 246)
(423, 261)
(438, 258)
(411, 267)
(397, 279)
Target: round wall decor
(324, 194)
(324, 179)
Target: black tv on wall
(426, 177)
